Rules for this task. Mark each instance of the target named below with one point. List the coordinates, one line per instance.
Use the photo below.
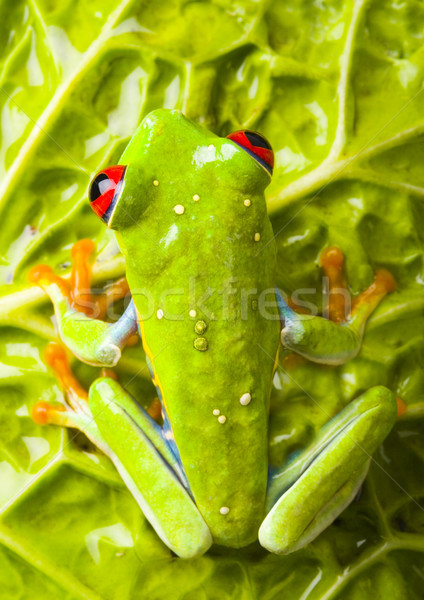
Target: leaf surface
(337, 87)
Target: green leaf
(337, 87)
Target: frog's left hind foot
(307, 494)
(336, 339)
(77, 413)
(126, 433)
(92, 340)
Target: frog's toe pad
(332, 257)
(83, 248)
(40, 273)
(385, 280)
(45, 413)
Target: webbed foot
(336, 339)
(93, 341)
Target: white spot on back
(245, 399)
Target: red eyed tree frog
(190, 216)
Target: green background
(337, 87)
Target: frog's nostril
(105, 190)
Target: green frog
(190, 216)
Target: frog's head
(171, 155)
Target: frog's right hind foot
(306, 494)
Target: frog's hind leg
(307, 494)
(126, 433)
(149, 468)
(336, 339)
(92, 340)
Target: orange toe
(133, 340)
(42, 412)
(54, 355)
(105, 372)
(155, 409)
(81, 276)
(332, 257)
(39, 272)
(291, 361)
(43, 276)
(401, 407)
(83, 247)
(385, 280)
(332, 260)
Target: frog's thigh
(306, 495)
(143, 461)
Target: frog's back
(205, 270)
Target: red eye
(256, 145)
(105, 190)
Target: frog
(189, 213)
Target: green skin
(206, 259)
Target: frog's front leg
(306, 495)
(338, 339)
(94, 341)
(126, 433)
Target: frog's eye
(256, 145)
(105, 190)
